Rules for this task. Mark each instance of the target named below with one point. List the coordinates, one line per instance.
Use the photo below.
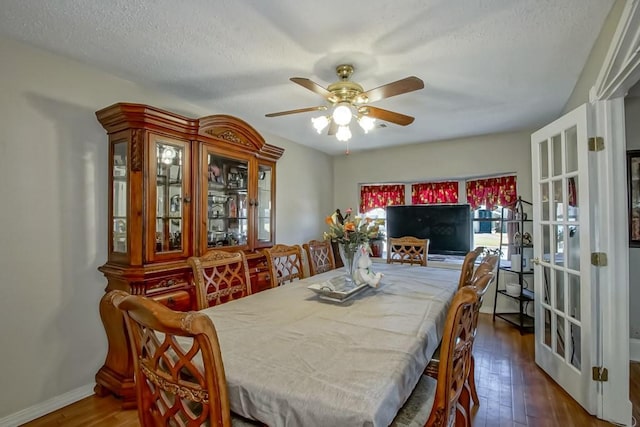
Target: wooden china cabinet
(178, 187)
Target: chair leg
(462, 416)
(464, 407)
(472, 381)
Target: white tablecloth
(294, 360)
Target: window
(486, 197)
(486, 229)
(379, 248)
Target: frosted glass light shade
(343, 134)
(342, 114)
(366, 123)
(319, 123)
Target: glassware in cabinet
(119, 197)
(169, 198)
(263, 205)
(227, 221)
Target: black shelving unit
(513, 222)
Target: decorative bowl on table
(336, 289)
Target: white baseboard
(634, 349)
(43, 408)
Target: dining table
(292, 358)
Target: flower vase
(349, 253)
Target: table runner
(292, 359)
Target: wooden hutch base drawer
(166, 284)
(177, 300)
(260, 281)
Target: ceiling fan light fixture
(342, 114)
(319, 123)
(349, 101)
(343, 133)
(366, 123)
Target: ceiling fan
(348, 96)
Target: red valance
(492, 192)
(380, 196)
(434, 192)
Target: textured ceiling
(488, 65)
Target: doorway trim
(619, 72)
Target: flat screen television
(448, 227)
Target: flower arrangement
(351, 231)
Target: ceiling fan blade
(386, 115)
(333, 128)
(299, 110)
(312, 86)
(399, 87)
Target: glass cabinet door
(227, 203)
(263, 204)
(119, 204)
(169, 197)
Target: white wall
(591, 69)
(457, 158)
(53, 188)
(306, 179)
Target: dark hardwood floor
(513, 391)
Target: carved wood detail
(137, 148)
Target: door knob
(536, 261)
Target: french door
(566, 334)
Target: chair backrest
(468, 265)
(319, 256)
(407, 250)
(482, 278)
(488, 264)
(179, 374)
(285, 263)
(455, 355)
(220, 276)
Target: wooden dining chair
(285, 263)
(480, 281)
(437, 402)
(220, 276)
(178, 369)
(320, 256)
(468, 265)
(407, 250)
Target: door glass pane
(574, 296)
(169, 192)
(572, 247)
(559, 290)
(544, 195)
(560, 338)
(575, 358)
(558, 199)
(546, 243)
(264, 203)
(559, 247)
(571, 147)
(544, 159)
(572, 199)
(546, 286)
(120, 185)
(547, 327)
(227, 221)
(556, 153)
